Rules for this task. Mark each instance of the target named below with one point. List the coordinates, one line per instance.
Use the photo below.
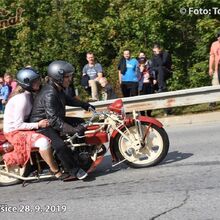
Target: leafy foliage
(67, 29)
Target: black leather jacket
(50, 104)
(162, 59)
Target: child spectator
(8, 79)
(109, 91)
(4, 94)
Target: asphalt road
(185, 186)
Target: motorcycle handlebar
(91, 109)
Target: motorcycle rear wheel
(155, 149)
(21, 171)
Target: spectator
(214, 63)
(141, 54)
(10, 82)
(92, 72)
(109, 91)
(146, 79)
(4, 94)
(161, 64)
(127, 73)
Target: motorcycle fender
(111, 145)
(150, 120)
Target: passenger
(17, 128)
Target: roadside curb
(190, 119)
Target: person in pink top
(214, 61)
(214, 65)
(21, 133)
(8, 79)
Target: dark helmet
(26, 76)
(58, 68)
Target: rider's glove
(69, 129)
(87, 106)
(80, 129)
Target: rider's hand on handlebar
(43, 123)
(71, 130)
(89, 107)
(80, 130)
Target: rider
(50, 103)
(18, 131)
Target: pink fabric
(22, 142)
(13, 85)
(214, 56)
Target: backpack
(85, 81)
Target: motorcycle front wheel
(154, 150)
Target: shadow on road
(176, 156)
(105, 168)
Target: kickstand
(114, 165)
(25, 182)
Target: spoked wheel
(6, 180)
(151, 153)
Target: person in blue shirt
(4, 94)
(127, 72)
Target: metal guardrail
(158, 101)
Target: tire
(8, 181)
(155, 149)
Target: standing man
(161, 64)
(127, 74)
(94, 72)
(214, 61)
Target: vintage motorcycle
(139, 141)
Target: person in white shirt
(16, 126)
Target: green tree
(67, 29)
